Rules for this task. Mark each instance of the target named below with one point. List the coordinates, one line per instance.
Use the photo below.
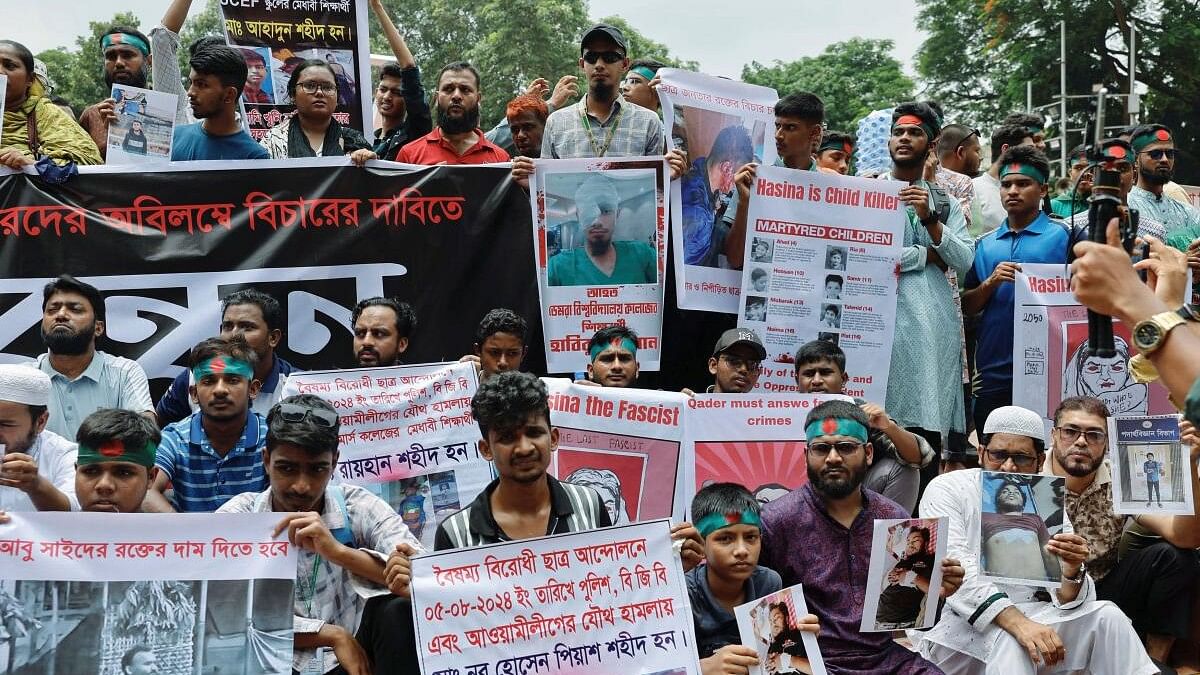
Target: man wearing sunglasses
(1153, 584)
(1117, 155)
(1154, 145)
(344, 533)
(214, 454)
(997, 628)
(837, 516)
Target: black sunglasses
(974, 132)
(1158, 154)
(607, 57)
(294, 412)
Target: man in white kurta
(1008, 629)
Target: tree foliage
(852, 78)
(980, 54)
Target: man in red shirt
(457, 138)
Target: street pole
(1028, 96)
(1062, 88)
(1134, 104)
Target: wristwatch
(1078, 578)
(1148, 335)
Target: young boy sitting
(727, 516)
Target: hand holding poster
(1018, 516)
(144, 126)
(721, 125)
(822, 256)
(769, 625)
(905, 578)
(600, 240)
(1050, 352)
(625, 443)
(601, 601)
(275, 36)
(1152, 468)
(407, 435)
(127, 572)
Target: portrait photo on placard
(905, 577)
(1151, 466)
(770, 626)
(1019, 514)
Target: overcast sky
(719, 34)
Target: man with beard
(216, 79)
(381, 328)
(37, 469)
(258, 318)
(925, 392)
(1155, 149)
(995, 628)
(457, 138)
(1152, 585)
(1117, 155)
(126, 61)
(1026, 236)
(400, 97)
(84, 379)
(214, 454)
(837, 516)
(116, 461)
(343, 534)
(602, 261)
(1079, 186)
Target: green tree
(78, 74)
(206, 22)
(852, 78)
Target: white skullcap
(1012, 419)
(22, 384)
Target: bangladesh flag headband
(115, 450)
(916, 121)
(835, 426)
(716, 521)
(223, 364)
(845, 146)
(1158, 135)
(1025, 169)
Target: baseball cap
(740, 336)
(605, 30)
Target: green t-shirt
(636, 264)
(1065, 208)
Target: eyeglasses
(314, 87)
(737, 363)
(1019, 460)
(1159, 153)
(1091, 436)
(607, 57)
(844, 448)
(294, 412)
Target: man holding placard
(1004, 628)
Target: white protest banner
(407, 435)
(1152, 469)
(143, 128)
(821, 263)
(159, 590)
(600, 243)
(627, 444)
(721, 125)
(1050, 352)
(904, 580)
(754, 439)
(608, 600)
(769, 626)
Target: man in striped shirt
(216, 453)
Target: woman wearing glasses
(313, 131)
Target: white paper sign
(1151, 468)
(906, 554)
(610, 600)
(769, 626)
(721, 125)
(144, 126)
(822, 254)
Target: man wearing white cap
(1006, 629)
(37, 470)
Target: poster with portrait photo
(905, 578)
(174, 594)
(144, 126)
(721, 125)
(1018, 515)
(600, 247)
(627, 444)
(756, 440)
(769, 626)
(1051, 356)
(278, 35)
(830, 245)
(1151, 466)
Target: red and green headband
(1024, 169)
(836, 426)
(125, 39)
(915, 120)
(718, 521)
(833, 144)
(115, 450)
(1145, 138)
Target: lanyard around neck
(599, 151)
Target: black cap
(605, 30)
(740, 336)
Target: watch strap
(1164, 322)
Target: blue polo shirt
(202, 479)
(1042, 241)
(177, 403)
